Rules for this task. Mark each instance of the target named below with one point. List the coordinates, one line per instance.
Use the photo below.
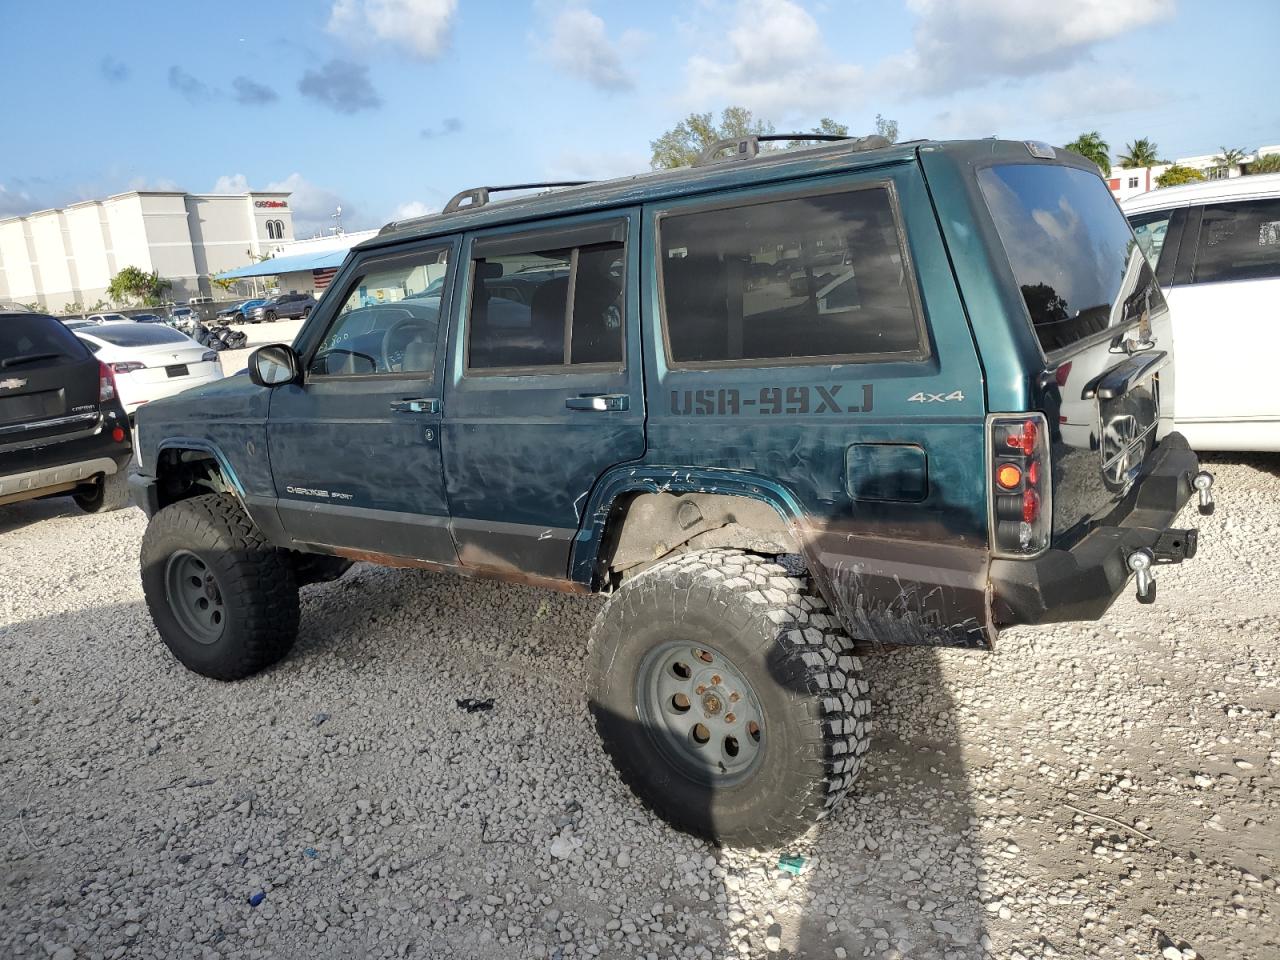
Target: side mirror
(274, 365)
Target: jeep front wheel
(728, 698)
(224, 600)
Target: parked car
(181, 315)
(151, 362)
(753, 476)
(287, 306)
(107, 318)
(238, 312)
(1215, 248)
(63, 430)
(147, 318)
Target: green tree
(1230, 157)
(1178, 174)
(1091, 146)
(827, 127)
(684, 143)
(1140, 153)
(1270, 163)
(887, 128)
(133, 284)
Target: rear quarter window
(1238, 241)
(796, 280)
(1077, 263)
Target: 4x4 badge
(12, 384)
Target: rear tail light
(209, 356)
(106, 383)
(1020, 498)
(128, 366)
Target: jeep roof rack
(745, 148)
(479, 196)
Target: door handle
(599, 402)
(420, 405)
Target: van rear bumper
(1082, 582)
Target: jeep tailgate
(1102, 324)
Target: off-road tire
(780, 635)
(256, 580)
(109, 493)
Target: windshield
(1073, 254)
(135, 335)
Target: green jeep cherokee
(773, 405)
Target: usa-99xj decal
(770, 401)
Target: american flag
(320, 278)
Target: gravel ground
(1089, 790)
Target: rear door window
(803, 279)
(542, 303)
(30, 339)
(1076, 261)
(1238, 241)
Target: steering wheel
(393, 354)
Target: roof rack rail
(479, 196)
(745, 148)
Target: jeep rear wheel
(728, 698)
(223, 599)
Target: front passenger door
(355, 447)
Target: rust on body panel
(488, 572)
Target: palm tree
(1140, 153)
(1270, 163)
(1091, 146)
(1229, 158)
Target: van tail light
(1020, 497)
(106, 383)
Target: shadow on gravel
(16, 516)
(892, 872)
(1266, 462)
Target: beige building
(55, 258)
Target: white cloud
(233, 183)
(779, 65)
(15, 203)
(574, 165)
(966, 43)
(579, 45)
(163, 184)
(420, 27)
(411, 210)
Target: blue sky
(391, 106)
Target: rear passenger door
(546, 391)
(1226, 316)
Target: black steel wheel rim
(701, 712)
(195, 597)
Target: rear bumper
(1081, 583)
(43, 480)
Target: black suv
(62, 428)
(773, 406)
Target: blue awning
(294, 264)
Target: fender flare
(224, 465)
(649, 478)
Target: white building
(1126, 182)
(56, 258)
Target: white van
(1215, 247)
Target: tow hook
(1203, 484)
(1140, 562)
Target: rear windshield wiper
(28, 358)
